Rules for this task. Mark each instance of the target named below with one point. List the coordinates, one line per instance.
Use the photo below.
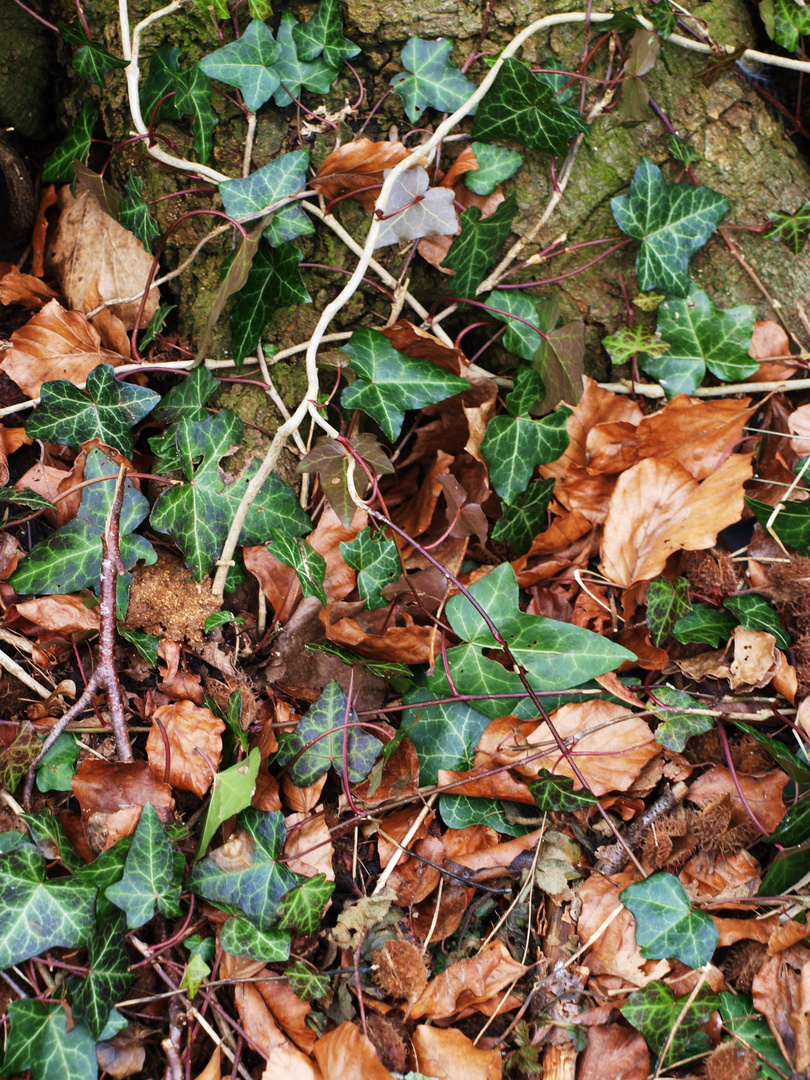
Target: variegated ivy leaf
(323, 35)
(293, 71)
(473, 253)
(515, 445)
(254, 195)
(430, 79)
(376, 561)
(495, 164)
(247, 63)
(628, 341)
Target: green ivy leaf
(701, 336)
(323, 34)
(146, 644)
(704, 624)
(240, 937)
(274, 182)
(248, 64)
(307, 984)
(789, 22)
(201, 953)
(108, 976)
(787, 868)
(515, 446)
(37, 915)
(666, 925)
(148, 874)
(755, 613)
(527, 391)
(655, 1011)
(55, 771)
(794, 828)
(317, 744)
(231, 792)
(495, 165)
(256, 882)
(187, 399)
(193, 98)
(197, 514)
(70, 559)
(376, 561)
(791, 524)
(671, 221)
(155, 325)
(557, 793)
(524, 518)
(18, 756)
(39, 1041)
(309, 565)
(502, 692)
(415, 210)
(461, 811)
(24, 497)
(50, 837)
(106, 410)
(667, 601)
(92, 61)
(445, 735)
(522, 107)
(134, 214)
(678, 727)
(389, 382)
(628, 341)
(164, 63)
(74, 147)
(473, 252)
(741, 1019)
(510, 305)
(301, 909)
(274, 282)
(293, 71)
(431, 79)
(791, 229)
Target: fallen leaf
(39, 233)
(52, 482)
(447, 1054)
(434, 249)
(24, 289)
(11, 439)
(346, 1054)
(468, 983)
(422, 345)
(780, 993)
(614, 1050)
(698, 434)
(770, 340)
(288, 1010)
(356, 165)
(308, 847)
(193, 735)
(326, 538)
(615, 952)
(720, 878)
(278, 582)
(763, 793)
(111, 796)
(67, 615)
(212, 1070)
(406, 644)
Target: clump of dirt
(165, 601)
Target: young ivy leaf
(431, 79)
(106, 410)
(274, 182)
(273, 282)
(791, 229)
(515, 445)
(495, 164)
(524, 518)
(679, 726)
(525, 394)
(671, 221)
(701, 336)
(108, 977)
(240, 937)
(301, 909)
(376, 561)
(248, 64)
(149, 876)
(294, 72)
(628, 341)
(656, 1013)
(667, 601)
(389, 383)
(133, 213)
(557, 793)
(307, 984)
(472, 253)
(193, 98)
(92, 61)
(231, 792)
(70, 559)
(197, 514)
(416, 210)
(39, 1041)
(309, 565)
(520, 106)
(666, 925)
(704, 624)
(788, 20)
(323, 34)
(74, 147)
(513, 307)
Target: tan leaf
(66, 614)
(24, 289)
(326, 538)
(289, 1012)
(614, 1050)
(11, 439)
(188, 728)
(697, 434)
(720, 878)
(346, 1054)
(769, 341)
(611, 448)
(447, 1054)
(111, 796)
(11, 551)
(308, 846)
(799, 424)
(112, 330)
(288, 1063)
(89, 249)
(658, 508)
(781, 992)
(356, 165)
(124, 1054)
(762, 793)
(51, 482)
(408, 644)
(212, 1070)
(468, 983)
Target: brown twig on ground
(105, 675)
(614, 858)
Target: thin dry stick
(650, 390)
(14, 669)
(704, 971)
(402, 847)
(614, 857)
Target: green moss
(261, 421)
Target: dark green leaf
(75, 146)
(671, 221)
(247, 63)
(495, 164)
(389, 382)
(473, 253)
(445, 736)
(527, 391)
(39, 1041)
(794, 828)
(524, 518)
(794, 764)
(240, 937)
(301, 909)
(323, 34)
(198, 514)
(273, 183)
(307, 984)
(235, 276)
(148, 874)
(461, 811)
(70, 559)
(431, 80)
(666, 925)
(220, 618)
(193, 98)
(231, 792)
(376, 561)
(515, 308)
(164, 64)
(788, 868)
(704, 624)
(24, 497)
(108, 977)
(791, 229)
(521, 107)
(188, 398)
(155, 325)
(92, 61)
(790, 20)
(679, 726)
(630, 340)
(106, 410)
(742, 1020)
(667, 601)
(755, 613)
(515, 446)
(55, 771)
(146, 644)
(295, 72)
(274, 282)
(791, 524)
(50, 837)
(557, 793)
(134, 213)
(309, 565)
(654, 1011)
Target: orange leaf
(187, 727)
(111, 796)
(356, 165)
(66, 614)
(447, 1054)
(697, 434)
(614, 1050)
(24, 289)
(468, 983)
(346, 1054)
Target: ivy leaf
(246, 873)
(193, 98)
(667, 601)
(274, 182)
(231, 792)
(794, 828)
(133, 213)
(524, 518)
(50, 837)
(415, 209)
(515, 446)
(164, 63)
(376, 561)
(701, 336)
(108, 977)
(743, 1021)
(755, 613)
(317, 744)
(791, 229)
(789, 21)
(527, 391)
(511, 305)
(301, 909)
(462, 811)
(106, 410)
(557, 793)
(704, 624)
(240, 937)
(92, 61)
(791, 524)
(473, 252)
(70, 559)
(786, 870)
(148, 874)
(37, 915)
(39, 1041)
(330, 461)
(197, 514)
(655, 1012)
(74, 147)
(274, 282)
(307, 985)
(248, 64)
(389, 382)
(431, 80)
(666, 925)
(324, 34)
(309, 565)
(678, 727)
(55, 771)
(445, 735)
(495, 165)
(188, 398)
(671, 221)
(18, 756)
(630, 340)
(294, 72)
(522, 107)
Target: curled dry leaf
(53, 483)
(447, 1054)
(24, 289)
(11, 439)
(67, 615)
(326, 538)
(720, 878)
(422, 345)
(749, 660)
(356, 169)
(113, 794)
(11, 551)
(699, 435)
(406, 644)
(780, 994)
(308, 847)
(468, 984)
(346, 1054)
(614, 1050)
(193, 735)
(278, 582)
(762, 793)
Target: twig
(614, 857)
(402, 846)
(14, 669)
(653, 390)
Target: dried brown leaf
(468, 983)
(24, 289)
(698, 434)
(113, 794)
(614, 1050)
(66, 614)
(346, 1054)
(193, 734)
(770, 340)
(356, 165)
(447, 1054)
